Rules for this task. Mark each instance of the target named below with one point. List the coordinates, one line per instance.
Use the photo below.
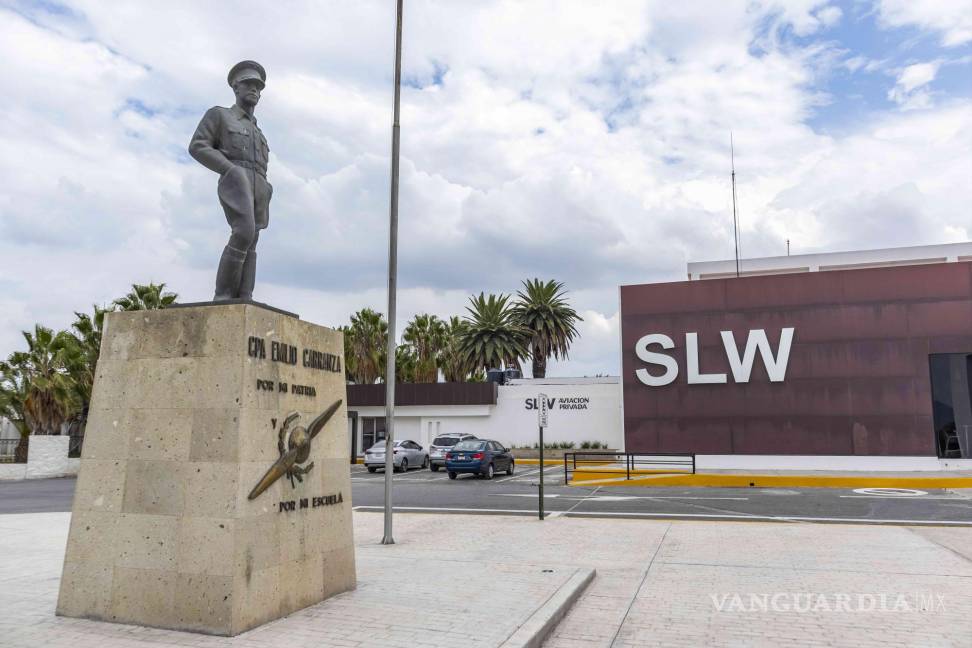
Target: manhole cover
(890, 492)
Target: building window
(372, 430)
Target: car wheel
(435, 467)
(509, 469)
(371, 469)
(425, 462)
(404, 466)
(452, 475)
(489, 472)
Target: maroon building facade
(858, 378)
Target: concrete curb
(542, 622)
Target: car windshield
(470, 445)
(445, 441)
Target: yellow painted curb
(773, 481)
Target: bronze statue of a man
(229, 142)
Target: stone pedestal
(185, 420)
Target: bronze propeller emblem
(294, 444)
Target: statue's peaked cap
(246, 70)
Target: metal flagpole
(392, 287)
(735, 219)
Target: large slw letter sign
(741, 367)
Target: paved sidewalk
(673, 598)
(409, 594)
(658, 583)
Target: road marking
(426, 509)
(896, 497)
(672, 516)
(524, 477)
(772, 518)
(891, 492)
(620, 498)
(411, 477)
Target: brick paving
(458, 580)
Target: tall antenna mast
(735, 218)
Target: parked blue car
(480, 456)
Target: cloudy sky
(576, 140)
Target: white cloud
(952, 18)
(909, 90)
(830, 15)
(545, 139)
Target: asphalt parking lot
(424, 491)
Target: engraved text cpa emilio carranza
(229, 142)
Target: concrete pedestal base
(185, 419)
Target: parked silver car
(442, 444)
(408, 454)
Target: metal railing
(74, 446)
(8, 451)
(631, 463)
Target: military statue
(229, 142)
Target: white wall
(821, 262)
(8, 430)
(47, 456)
(512, 423)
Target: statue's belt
(246, 164)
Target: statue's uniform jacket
(229, 138)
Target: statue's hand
(233, 169)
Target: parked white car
(408, 454)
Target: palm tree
(13, 393)
(87, 334)
(369, 332)
(46, 367)
(542, 309)
(453, 362)
(406, 364)
(425, 334)
(146, 297)
(350, 362)
(493, 337)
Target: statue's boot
(229, 274)
(249, 275)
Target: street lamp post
(392, 288)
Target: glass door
(952, 403)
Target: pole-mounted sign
(542, 423)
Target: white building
(824, 261)
(580, 409)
